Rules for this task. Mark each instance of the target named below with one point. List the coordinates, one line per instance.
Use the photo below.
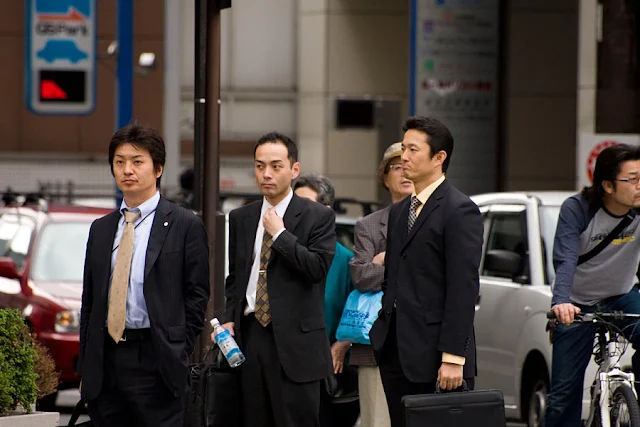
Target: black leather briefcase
(477, 408)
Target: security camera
(147, 61)
(112, 50)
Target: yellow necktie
(120, 281)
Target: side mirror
(8, 268)
(502, 263)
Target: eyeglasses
(395, 167)
(633, 180)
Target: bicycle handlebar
(589, 317)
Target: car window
(344, 234)
(60, 252)
(548, 223)
(508, 232)
(15, 237)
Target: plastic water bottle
(227, 344)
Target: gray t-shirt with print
(612, 272)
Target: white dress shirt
(252, 286)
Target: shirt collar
(145, 208)
(427, 192)
(281, 207)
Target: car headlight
(68, 322)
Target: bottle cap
(215, 322)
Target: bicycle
(612, 387)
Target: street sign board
(60, 56)
(454, 64)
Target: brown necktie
(262, 312)
(120, 281)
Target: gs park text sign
(61, 56)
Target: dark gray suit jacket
(296, 277)
(370, 239)
(431, 276)
(176, 291)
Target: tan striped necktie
(120, 282)
(262, 312)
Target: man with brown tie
(145, 290)
(280, 249)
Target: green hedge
(17, 360)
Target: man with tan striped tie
(280, 249)
(145, 290)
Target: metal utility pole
(124, 79)
(207, 151)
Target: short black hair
(439, 137)
(277, 137)
(140, 136)
(320, 184)
(607, 169)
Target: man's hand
(338, 351)
(379, 259)
(272, 222)
(450, 376)
(565, 312)
(228, 326)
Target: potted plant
(26, 372)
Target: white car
(513, 349)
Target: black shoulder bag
(605, 242)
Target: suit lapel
(383, 223)
(104, 238)
(432, 204)
(400, 225)
(159, 230)
(250, 227)
(292, 215)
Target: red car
(42, 252)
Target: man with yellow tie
(145, 291)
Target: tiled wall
(350, 48)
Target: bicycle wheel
(625, 411)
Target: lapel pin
(165, 224)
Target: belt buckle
(124, 338)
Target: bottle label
(226, 343)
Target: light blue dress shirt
(137, 315)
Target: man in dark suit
(424, 333)
(280, 249)
(145, 290)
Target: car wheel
(537, 403)
(47, 403)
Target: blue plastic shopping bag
(359, 313)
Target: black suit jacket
(296, 277)
(176, 291)
(432, 277)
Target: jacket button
(403, 255)
(388, 312)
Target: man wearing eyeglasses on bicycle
(589, 279)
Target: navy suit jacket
(296, 275)
(176, 291)
(432, 280)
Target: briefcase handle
(464, 386)
(77, 411)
